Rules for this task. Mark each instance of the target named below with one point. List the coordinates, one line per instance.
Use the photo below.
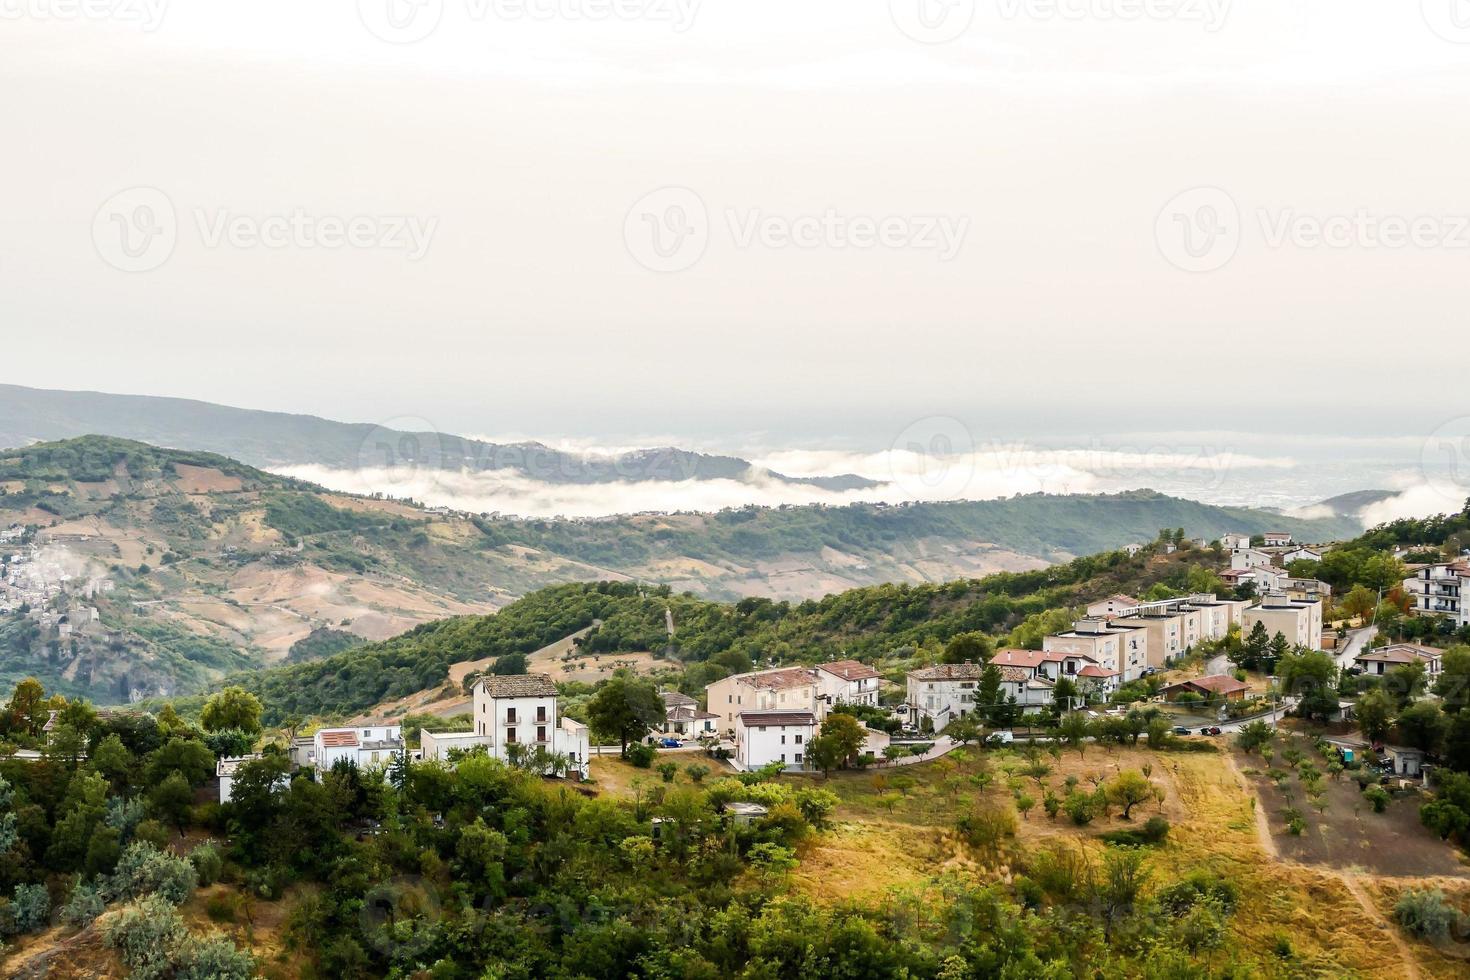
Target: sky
(745, 224)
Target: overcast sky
(804, 219)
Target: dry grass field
(894, 837)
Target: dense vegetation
(486, 869)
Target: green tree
(234, 707)
(1374, 712)
(1074, 730)
(170, 800)
(625, 708)
(1453, 686)
(975, 648)
(1127, 790)
(1254, 735)
(1423, 726)
(848, 734)
(1311, 676)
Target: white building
(1301, 554)
(514, 717)
(1381, 661)
(1246, 558)
(684, 717)
(1234, 541)
(1276, 539)
(942, 693)
(848, 682)
(778, 689)
(225, 770)
(1442, 590)
(1111, 607)
(368, 746)
(762, 737)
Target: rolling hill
(171, 568)
(277, 440)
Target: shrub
(668, 770)
(986, 826)
(211, 958)
(1156, 829)
(154, 944)
(1425, 913)
(144, 934)
(641, 755)
(696, 772)
(207, 863)
(1081, 808)
(29, 910)
(1198, 886)
(1379, 797)
(83, 907)
(145, 870)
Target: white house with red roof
(371, 745)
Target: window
(798, 758)
(783, 739)
(798, 742)
(367, 733)
(761, 728)
(540, 733)
(510, 735)
(541, 712)
(510, 715)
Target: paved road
(1356, 641)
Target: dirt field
(1348, 835)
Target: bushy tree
(625, 708)
(145, 870)
(232, 708)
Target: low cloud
(1422, 500)
(908, 474)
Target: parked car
(1181, 730)
(669, 743)
(1209, 730)
(999, 738)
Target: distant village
(38, 582)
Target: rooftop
(752, 718)
(519, 686)
(674, 699)
(779, 679)
(1215, 684)
(849, 670)
(949, 672)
